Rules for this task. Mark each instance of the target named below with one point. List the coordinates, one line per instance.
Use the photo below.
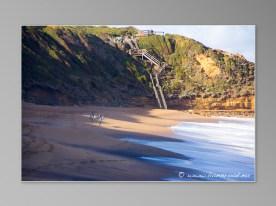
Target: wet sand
(61, 143)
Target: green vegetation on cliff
(72, 65)
(81, 65)
(199, 71)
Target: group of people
(96, 117)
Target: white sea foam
(235, 134)
(225, 147)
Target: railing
(149, 33)
(151, 58)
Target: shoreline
(61, 144)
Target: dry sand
(61, 143)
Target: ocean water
(220, 151)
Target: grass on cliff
(198, 70)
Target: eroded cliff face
(238, 103)
(199, 71)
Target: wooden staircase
(158, 65)
(157, 69)
(143, 53)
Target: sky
(231, 38)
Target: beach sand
(61, 144)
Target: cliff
(68, 65)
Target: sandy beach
(61, 143)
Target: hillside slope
(65, 66)
(199, 71)
(80, 65)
